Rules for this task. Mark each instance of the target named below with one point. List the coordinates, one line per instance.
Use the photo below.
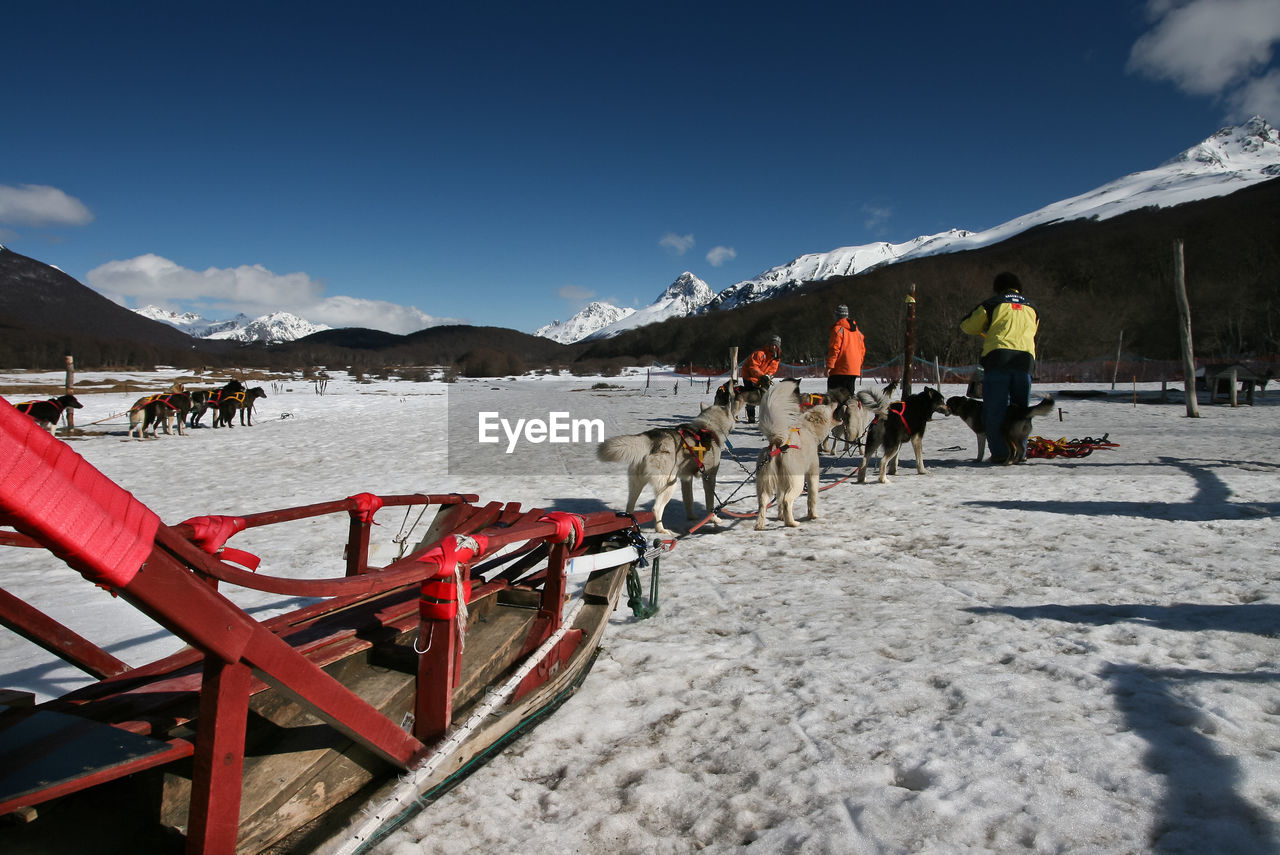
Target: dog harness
(696, 446)
(811, 399)
(1038, 446)
(775, 450)
(899, 409)
(26, 406)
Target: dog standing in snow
(790, 463)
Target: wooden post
(1235, 381)
(909, 351)
(1184, 315)
(71, 382)
(1115, 371)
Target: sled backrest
(52, 494)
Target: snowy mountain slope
(814, 267)
(1229, 160)
(594, 317)
(687, 295)
(271, 329)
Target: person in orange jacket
(845, 352)
(761, 364)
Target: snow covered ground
(1068, 656)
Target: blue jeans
(1000, 388)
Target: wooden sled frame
(52, 498)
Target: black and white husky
(895, 424)
(790, 463)
(663, 457)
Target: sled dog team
(661, 458)
(165, 410)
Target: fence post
(70, 384)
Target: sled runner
(270, 735)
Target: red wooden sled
(267, 735)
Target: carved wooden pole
(909, 351)
(1184, 315)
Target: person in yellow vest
(761, 364)
(845, 352)
(1007, 322)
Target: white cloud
(371, 314)
(1218, 48)
(679, 244)
(576, 293)
(40, 205)
(876, 216)
(1258, 97)
(720, 254)
(251, 289)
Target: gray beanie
(842, 311)
(776, 341)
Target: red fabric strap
(82, 516)
(569, 527)
(367, 504)
(211, 533)
(438, 598)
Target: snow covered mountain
(594, 317)
(687, 295)
(814, 267)
(274, 328)
(1226, 162)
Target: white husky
(790, 463)
(662, 457)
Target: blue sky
(391, 164)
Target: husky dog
(48, 413)
(790, 463)
(1017, 423)
(895, 424)
(970, 412)
(663, 457)
(1017, 427)
(853, 417)
(743, 396)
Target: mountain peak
(594, 316)
(1237, 147)
(689, 287)
(272, 328)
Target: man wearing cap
(760, 368)
(1008, 323)
(845, 351)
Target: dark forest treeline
(1092, 282)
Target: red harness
(26, 406)
(702, 440)
(775, 450)
(899, 409)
